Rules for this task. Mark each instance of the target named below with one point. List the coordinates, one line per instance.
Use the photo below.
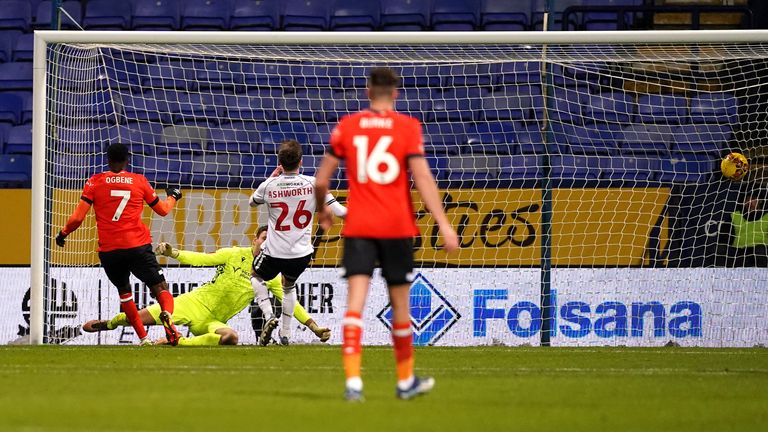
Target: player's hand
(61, 239)
(324, 333)
(173, 192)
(279, 170)
(450, 238)
(325, 218)
(165, 249)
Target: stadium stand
(155, 15)
(107, 15)
(255, 15)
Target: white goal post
(750, 44)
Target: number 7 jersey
(290, 202)
(376, 147)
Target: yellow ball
(734, 166)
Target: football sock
(262, 297)
(402, 338)
(351, 347)
(128, 307)
(166, 301)
(289, 302)
(207, 339)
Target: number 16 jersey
(376, 147)
(290, 202)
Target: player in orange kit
(125, 246)
(379, 147)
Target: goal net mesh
(647, 236)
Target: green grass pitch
(299, 388)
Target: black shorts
(267, 267)
(141, 261)
(395, 256)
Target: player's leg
(275, 286)
(214, 333)
(264, 270)
(291, 270)
(396, 257)
(147, 318)
(358, 262)
(145, 267)
(114, 264)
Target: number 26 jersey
(376, 147)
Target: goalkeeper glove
(173, 192)
(323, 333)
(164, 248)
(61, 239)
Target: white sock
(289, 302)
(355, 383)
(262, 297)
(405, 384)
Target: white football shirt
(290, 201)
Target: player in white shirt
(289, 197)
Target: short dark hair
(289, 155)
(261, 230)
(382, 80)
(117, 153)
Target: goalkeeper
(207, 309)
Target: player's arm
(199, 259)
(257, 198)
(173, 195)
(75, 220)
(336, 207)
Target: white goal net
(583, 179)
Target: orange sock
(402, 338)
(351, 348)
(166, 301)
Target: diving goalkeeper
(207, 309)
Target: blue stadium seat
(342, 104)
(318, 99)
(457, 104)
(455, 15)
(265, 75)
(491, 138)
(629, 168)
(640, 138)
(24, 47)
(444, 137)
(305, 15)
(19, 140)
(591, 139)
(714, 108)
(301, 132)
(247, 108)
(81, 140)
(183, 139)
(438, 164)
(15, 15)
(529, 138)
(197, 108)
(293, 108)
(16, 76)
(205, 14)
(10, 108)
(145, 108)
(575, 167)
(355, 15)
(473, 74)
(118, 74)
(107, 15)
(502, 15)
(155, 15)
(613, 107)
(317, 75)
(420, 76)
(416, 102)
(701, 138)
(567, 105)
(217, 170)
(405, 15)
(26, 105)
(43, 15)
(662, 109)
(162, 171)
(606, 20)
(471, 169)
(255, 15)
(4, 128)
(238, 138)
(15, 171)
(167, 76)
(519, 167)
(97, 106)
(512, 103)
(687, 168)
(256, 168)
(519, 72)
(139, 137)
(7, 43)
